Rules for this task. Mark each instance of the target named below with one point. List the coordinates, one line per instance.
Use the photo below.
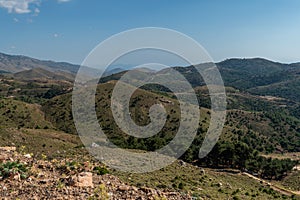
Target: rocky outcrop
(49, 180)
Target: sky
(67, 30)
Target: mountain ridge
(54, 65)
(17, 63)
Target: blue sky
(67, 30)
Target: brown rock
(3, 157)
(16, 177)
(84, 179)
(134, 188)
(123, 188)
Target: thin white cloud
(24, 6)
(36, 12)
(18, 6)
(63, 1)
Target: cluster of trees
(239, 155)
(269, 168)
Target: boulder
(27, 155)
(83, 179)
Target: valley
(254, 157)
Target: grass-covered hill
(257, 76)
(263, 106)
(263, 117)
(18, 63)
(247, 120)
(42, 74)
(245, 135)
(24, 124)
(19, 114)
(35, 86)
(38, 136)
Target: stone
(123, 188)
(3, 157)
(134, 188)
(16, 177)
(27, 155)
(84, 179)
(30, 179)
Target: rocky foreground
(22, 176)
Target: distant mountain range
(256, 75)
(18, 63)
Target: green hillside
(18, 63)
(42, 74)
(18, 114)
(263, 117)
(245, 131)
(34, 86)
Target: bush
(181, 185)
(10, 168)
(101, 170)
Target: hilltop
(42, 74)
(18, 63)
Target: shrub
(10, 168)
(100, 193)
(101, 170)
(181, 185)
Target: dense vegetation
(245, 133)
(263, 111)
(32, 89)
(239, 155)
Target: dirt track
(274, 187)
